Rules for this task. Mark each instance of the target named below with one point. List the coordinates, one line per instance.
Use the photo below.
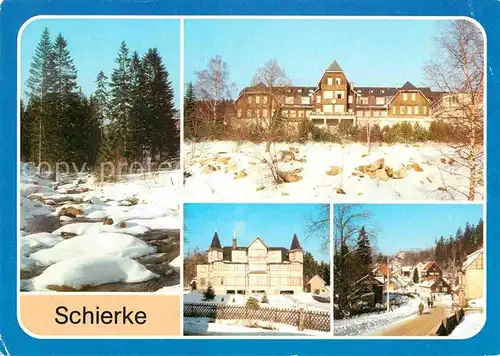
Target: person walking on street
(420, 308)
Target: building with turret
(253, 269)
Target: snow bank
(170, 290)
(315, 183)
(177, 262)
(476, 303)
(369, 322)
(470, 326)
(79, 272)
(299, 300)
(93, 245)
(203, 326)
(41, 239)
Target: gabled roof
(295, 243)
(383, 269)
(258, 238)
(334, 67)
(408, 86)
(215, 241)
(429, 265)
(316, 277)
(471, 258)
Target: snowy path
(420, 325)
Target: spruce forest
(130, 117)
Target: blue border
(14, 13)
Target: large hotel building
(335, 99)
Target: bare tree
(458, 71)
(213, 88)
(276, 86)
(318, 226)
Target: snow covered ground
(238, 171)
(97, 240)
(204, 326)
(299, 300)
(470, 325)
(367, 323)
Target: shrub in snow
(264, 300)
(252, 303)
(209, 293)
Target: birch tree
(458, 71)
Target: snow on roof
(316, 276)
(471, 258)
(406, 268)
(429, 265)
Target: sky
(274, 223)
(404, 226)
(371, 52)
(94, 43)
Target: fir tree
(121, 99)
(189, 111)
(364, 264)
(25, 143)
(164, 135)
(415, 276)
(265, 300)
(101, 95)
(209, 293)
(39, 84)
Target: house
(471, 276)
(434, 285)
(315, 285)
(431, 269)
(253, 269)
(335, 100)
(406, 271)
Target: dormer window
(382, 91)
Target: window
(328, 94)
(264, 112)
(375, 113)
(368, 113)
(329, 81)
(382, 91)
(360, 113)
(249, 112)
(413, 96)
(401, 109)
(293, 113)
(301, 113)
(257, 113)
(425, 110)
(364, 100)
(350, 99)
(308, 113)
(417, 110)
(289, 100)
(239, 113)
(257, 99)
(383, 113)
(305, 100)
(265, 99)
(328, 108)
(409, 110)
(394, 110)
(285, 113)
(380, 101)
(318, 99)
(339, 94)
(405, 96)
(338, 81)
(250, 99)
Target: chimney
(234, 242)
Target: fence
(450, 323)
(303, 319)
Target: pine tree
(164, 135)
(363, 257)
(101, 95)
(265, 300)
(121, 100)
(209, 293)
(189, 111)
(415, 276)
(39, 84)
(25, 143)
